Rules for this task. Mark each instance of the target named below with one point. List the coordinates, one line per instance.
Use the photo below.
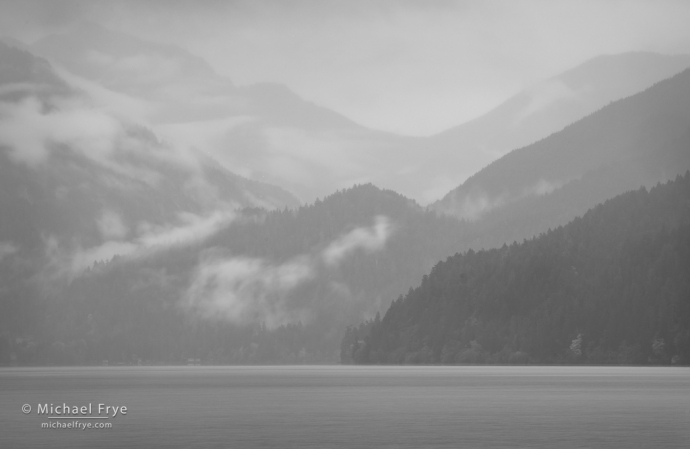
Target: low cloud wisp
(370, 239)
(149, 240)
(245, 290)
(473, 206)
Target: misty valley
(121, 246)
(344, 224)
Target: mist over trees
(118, 246)
(611, 287)
(638, 140)
(125, 310)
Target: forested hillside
(639, 140)
(609, 287)
(118, 245)
(271, 287)
(547, 107)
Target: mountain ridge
(608, 287)
(643, 122)
(60, 151)
(269, 133)
(266, 287)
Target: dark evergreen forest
(129, 311)
(584, 293)
(611, 287)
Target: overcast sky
(413, 68)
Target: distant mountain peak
(121, 61)
(638, 140)
(119, 44)
(23, 74)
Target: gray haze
(413, 68)
(243, 182)
(349, 78)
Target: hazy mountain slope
(271, 287)
(79, 185)
(22, 75)
(450, 157)
(69, 160)
(125, 63)
(610, 287)
(164, 72)
(642, 137)
(535, 214)
(268, 133)
(263, 131)
(425, 168)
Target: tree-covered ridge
(131, 309)
(641, 138)
(609, 287)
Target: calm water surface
(353, 407)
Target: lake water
(353, 407)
